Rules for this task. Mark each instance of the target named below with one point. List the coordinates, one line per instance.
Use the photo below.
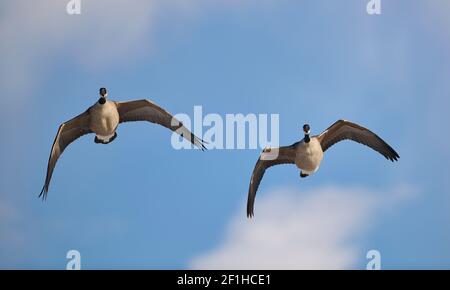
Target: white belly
(309, 156)
(104, 120)
(105, 138)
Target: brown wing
(67, 133)
(345, 130)
(286, 155)
(145, 110)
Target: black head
(103, 92)
(306, 129)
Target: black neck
(307, 139)
(102, 100)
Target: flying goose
(103, 118)
(307, 154)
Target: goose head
(103, 94)
(307, 131)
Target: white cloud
(315, 229)
(33, 34)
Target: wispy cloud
(33, 33)
(36, 36)
(316, 229)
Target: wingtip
(396, 157)
(43, 194)
(204, 148)
(250, 213)
(393, 157)
(200, 143)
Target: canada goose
(307, 154)
(103, 118)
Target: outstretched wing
(345, 130)
(67, 133)
(145, 110)
(285, 155)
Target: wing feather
(145, 110)
(286, 155)
(67, 133)
(345, 130)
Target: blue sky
(138, 203)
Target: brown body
(104, 120)
(308, 156)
